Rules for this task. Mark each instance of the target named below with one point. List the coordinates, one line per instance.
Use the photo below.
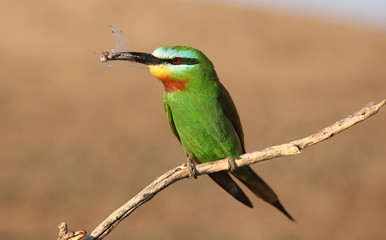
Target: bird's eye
(176, 60)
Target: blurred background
(78, 139)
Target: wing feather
(169, 117)
(231, 113)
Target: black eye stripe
(181, 61)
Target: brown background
(78, 139)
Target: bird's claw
(191, 168)
(232, 166)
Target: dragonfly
(120, 50)
(121, 53)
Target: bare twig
(65, 234)
(182, 172)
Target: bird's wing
(169, 116)
(221, 178)
(245, 174)
(230, 112)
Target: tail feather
(260, 188)
(277, 204)
(226, 182)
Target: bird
(203, 117)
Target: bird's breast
(164, 75)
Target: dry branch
(65, 234)
(182, 172)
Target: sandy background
(78, 139)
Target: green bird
(202, 116)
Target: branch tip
(65, 234)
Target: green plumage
(203, 117)
(205, 120)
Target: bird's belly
(208, 135)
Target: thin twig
(65, 234)
(182, 172)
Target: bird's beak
(137, 57)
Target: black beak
(138, 57)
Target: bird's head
(176, 66)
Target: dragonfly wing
(121, 42)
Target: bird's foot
(191, 168)
(232, 166)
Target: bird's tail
(226, 182)
(261, 189)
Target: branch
(182, 171)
